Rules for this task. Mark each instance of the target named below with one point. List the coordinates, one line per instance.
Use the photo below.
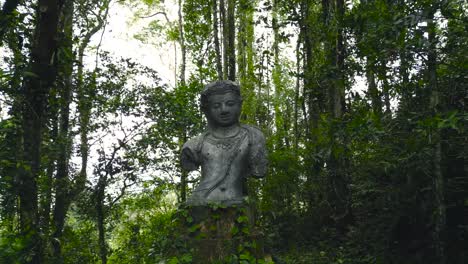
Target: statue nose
(224, 109)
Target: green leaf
(234, 230)
(242, 219)
(194, 228)
(30, 74)
(173, 260)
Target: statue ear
(204, 108)
(206, 113)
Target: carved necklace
(224, 143)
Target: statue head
(221, 102)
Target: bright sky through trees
(362, 104)
(120, 38)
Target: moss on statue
(221, 234)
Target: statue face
(223, 109)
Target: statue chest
(224, 157)
(224, 166)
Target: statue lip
(225, 117)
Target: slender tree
(230, 35)
(219, 66)
(62, 184)
(435, 139)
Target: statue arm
(258, 156)
(189, 159)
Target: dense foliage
(363, 104)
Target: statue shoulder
(254, 132)
(195, 143)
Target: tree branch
(157, 13)
(6, 15)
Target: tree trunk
(184, 173)
(372, 87)
(404, 75)
(242, 41)
(219, 66)
(36, 90)
(62, 184)
(296, 94)
(337, 183)
(311, 114)
(100, 212)
(222, 11)
(438, 177)
(385, 85)
(46, 179)
(339, 86)
(245, 58)
(183, 49)
(84, 110)
(183, 137)
(277, 80)
(341, 180)
(231, 51)
(85, 102)
(10, 195)
(312, 102)
(386, 93)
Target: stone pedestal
(222, 234)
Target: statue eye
(216, 105)
(230, 103)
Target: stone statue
(228, 152)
